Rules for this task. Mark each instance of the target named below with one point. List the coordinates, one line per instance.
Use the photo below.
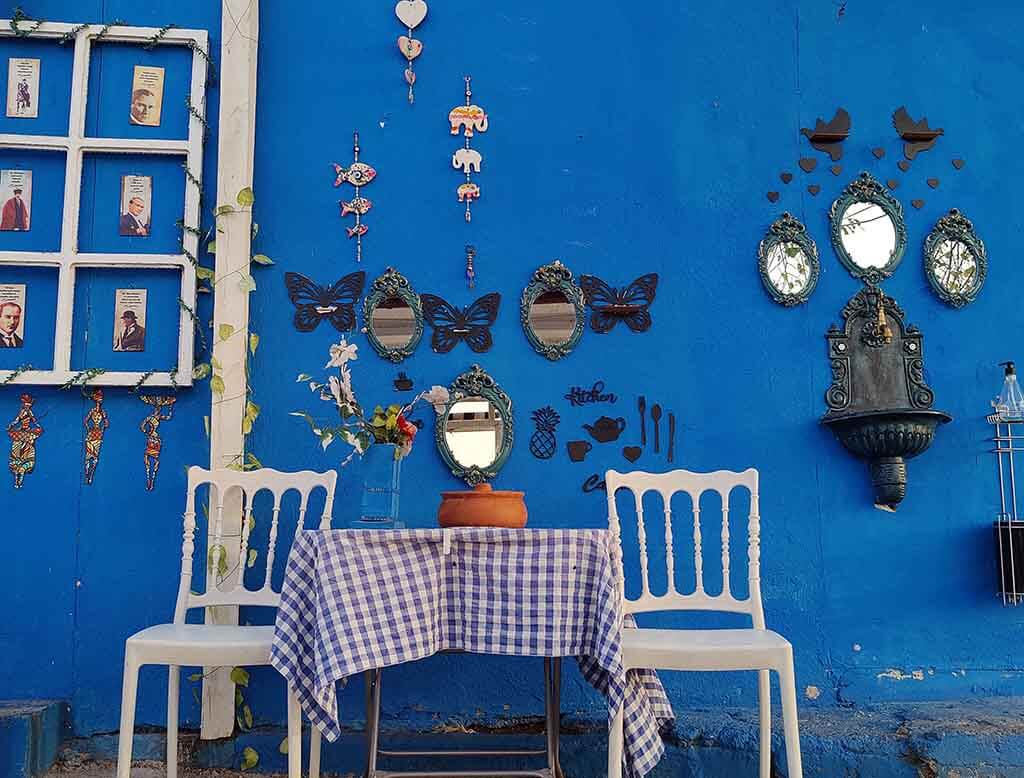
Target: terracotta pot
(482, 507)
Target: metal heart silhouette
(632, 453)
(786, 177)
(411, 12)
(773, 197)
(410, 47)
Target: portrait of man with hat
(15, 213)
(132, 335)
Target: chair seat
(199, 644)
(704, 649)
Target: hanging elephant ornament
(359, 174)
(410, 13)
(469, 119)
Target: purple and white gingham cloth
(356, 600)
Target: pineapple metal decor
(543, 443)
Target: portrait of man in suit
(15, 213)
(132, 335)
(10, 322)
(133, 222)
(144, 108)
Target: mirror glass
(954, 266)
(394, 322)
(867, 234)
(473, 432)
(553, 317)
(788, 269)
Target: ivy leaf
(255, 229)
(225, 331)
(239, 699)
(196, 677)
(254, 342)
(247, 713)
(239, 676)
(223, 209)
(246, 197)
(251, 461)
(253, 553)
(262, 259)
(217, 553)
(206, 425)
(212, 247)
(247, 283)
(283, 748)
(249, 758)
(216, 363)
(217, 385)
(201, 371)
(204, 274)
(364, 440)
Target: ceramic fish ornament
(358, 174)
(411, 13)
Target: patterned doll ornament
(411, 13)
(150, 427)
(469, 118)
(95, 423)
(23, 431)
(359, 174)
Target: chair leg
(787, 686)
(294, 735)
(764, 698)
(615, 738)
(314, 751)
(373, 678)
(129, 687)
(173, 684)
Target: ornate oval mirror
(955, 260)
(868, 232)
(552, 311)
(474, 433)
(393, 316)
(788, 261)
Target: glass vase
(378, 508)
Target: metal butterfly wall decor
(610, 305)
(314, 303)
(471, 324)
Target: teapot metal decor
(606, 429)
(879, 406)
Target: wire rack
(1009, 527)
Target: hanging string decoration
(469, 118)
(96, 423)
(411, 13)
(470, 271)
(359, 174)
(150, 427)
(23, 431)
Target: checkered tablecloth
(357, 600)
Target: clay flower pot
(482, 507)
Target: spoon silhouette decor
(671, 436)
(656, 418)
(642, 403)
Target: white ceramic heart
(411, 12)
(409, 47)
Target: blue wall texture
(623, 140)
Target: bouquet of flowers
(357, 429)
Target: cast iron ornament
(387, 286)
(788, 230)
(553, 277)
(917, 136)
(471, 324)
(955, 260)
(610, 305)
(578, 395)
(879, 406)
(865, 188)
(314, 303)
(543, 442)
(829, 137)
(475, 382)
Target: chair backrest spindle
(694, 484)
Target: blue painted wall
(622, 142)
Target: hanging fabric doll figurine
(23, 432)
(95, 423)
(150, 427)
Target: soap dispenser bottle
(1010, 402)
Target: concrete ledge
(31, 732)
(923, 740)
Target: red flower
(406, 427)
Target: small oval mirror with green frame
(474, 431)
(955, 260)
(552, 311)
(788, 261)
(393, 316)
(868, 232)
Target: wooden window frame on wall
(76, 144)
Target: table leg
(556, 681)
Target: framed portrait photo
(12, 315)
(129, 320)
(136, 206)
(22, 88)
(147, 96)
(15, 200)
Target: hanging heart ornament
(410, 76)
(411, 12)
(410, 47)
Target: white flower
(341, 353)
(334, 385)
(436, 396)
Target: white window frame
(76, 144)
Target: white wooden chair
(212, 645)
(700, 649)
